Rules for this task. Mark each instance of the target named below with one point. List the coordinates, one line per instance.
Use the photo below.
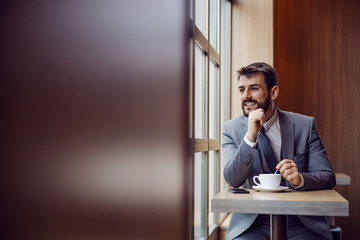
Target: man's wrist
(301, 183)
(251, 137)
(250, 143)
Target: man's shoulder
(235, 121)
(235, 128)
(296, 117)
(236, 125)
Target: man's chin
(246, 113)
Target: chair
(335, 232)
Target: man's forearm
(239, 164)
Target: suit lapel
(287, 131)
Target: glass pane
(191, 9)
(213, 100)
(225, 73)
(200, 93)
(191, 88)
(199, 196)
(214, 23)
(225, 59)
(213, 185)
(201, 16)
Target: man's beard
(265, 106)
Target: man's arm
(319, 174)
(237, 161)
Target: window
(209, 106)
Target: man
(297, 150)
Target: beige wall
(252, 40)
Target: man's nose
(246, 95)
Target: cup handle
(256, 182)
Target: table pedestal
(278, 227)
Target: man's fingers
(292, 176)
(256, 121)
(257, 114)
(288, 169)
(262, 120)
(281, 163)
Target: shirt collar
(267, 125)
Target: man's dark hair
(268, 72)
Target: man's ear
(274, 92)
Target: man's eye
(254, 88)
(241, 90)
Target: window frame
(206, 145)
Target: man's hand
(255, 122)
(289, 171)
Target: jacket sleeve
(320, 174)
(237, 161)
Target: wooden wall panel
(252, 40)
(317, 57)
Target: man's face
(253, 93)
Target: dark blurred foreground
(94, 98)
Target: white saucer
(271, 189)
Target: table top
(316, 203)
(342, 179)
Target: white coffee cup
(268, 180)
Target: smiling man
(292, 145)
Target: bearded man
(296, 148)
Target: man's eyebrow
(252, 85)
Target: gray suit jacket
(301, 142)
